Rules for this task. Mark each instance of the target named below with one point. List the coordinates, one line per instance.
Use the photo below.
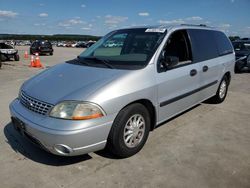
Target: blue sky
(97, 17)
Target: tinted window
(241, 46)
(5, 46)
(177, 46)
(35, 44)
(203, 44)
(223, 43)
(46, 44)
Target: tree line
(56, 37)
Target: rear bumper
(41, 51)
(60, 142)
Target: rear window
(35, 44)
(42, 43)
(46, 44)
(223, 43)
(203, 44)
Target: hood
(69, 82)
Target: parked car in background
(90, 43)
(81, 45)
(8, 52)
(242, 53)
(41, 47)
(114, 96)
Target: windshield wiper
(81, 60)
(103, 61)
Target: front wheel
(16, 57)
(239, 66)
(130, 131)
(221, 92)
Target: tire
(0, 62)
(16, 57)
(239, 66)
(51, 53)
(117, 143)
(2, 58)
(221, 92)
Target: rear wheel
(130, 131)
(221, 92)
(51, 53)
(0, 62)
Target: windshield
(5, 46)
(124, 49)
(238, 46)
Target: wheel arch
(228, 75)
(151, 109)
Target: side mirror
(169, 61)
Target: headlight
(76, 110)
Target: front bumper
(8, 56)
(89, 138)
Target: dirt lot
(208, 146)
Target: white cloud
(177, 21)
(7, 14)
(43, 15)
(39, 24)
(83, 6)
(86, 28)
(194, 18)
(71, 22)
(225, 25)
(143, 14)
(113, 21)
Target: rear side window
(204, 45)
(223, 43)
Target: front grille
(34, 105)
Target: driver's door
(177, 86)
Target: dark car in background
(41, 47)
(242, 53)
(7, 52)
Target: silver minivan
(113, 96)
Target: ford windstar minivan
(113, 96)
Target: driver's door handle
(205, 68)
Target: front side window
(176, 53)
(123, 49)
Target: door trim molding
(164, 103)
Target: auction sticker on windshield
(156, 30)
